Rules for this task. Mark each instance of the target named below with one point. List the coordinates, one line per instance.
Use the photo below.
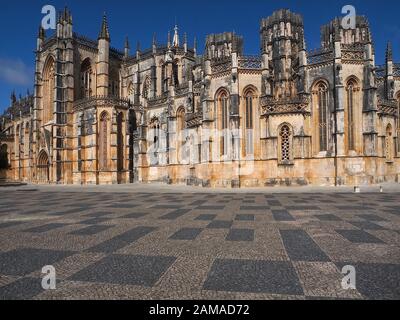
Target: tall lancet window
(86, 79)
(389, 144)
(103, 141)
(351, 98)
(223, 121)
(249, 99)
(323, 116)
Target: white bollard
(357, 189)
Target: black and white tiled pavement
(199, 246)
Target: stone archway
(43, 167)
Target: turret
(40, 38)
(64, 25)
(175, 42)
(126, 48)
(154, 44)
(389, 82)
(282, 41)
(103, 59)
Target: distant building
(285, 117)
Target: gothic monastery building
(288, 116)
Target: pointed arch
(43, 166)
(285, 144)
(86, 79)
(389, 150)
(222, 112)
(180, 128)
(320, 91)
(249, 95)
(352, 89)
(131, 92)
(120, 142)
(48, 89)
(103, 140)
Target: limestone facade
(288, 116)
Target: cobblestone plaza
(189, 244)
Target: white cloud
(15, 72)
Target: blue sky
(19, 21)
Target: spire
(389, 52)
(154, 39)
(41, 33)
(169, 39)
(154, 45)
(138, 50)
(185, 42)
(126, 47)
(104, 33)
(13, 97)
(195, 46)
(175, 42)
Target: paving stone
(131, 270)
(21, 262)
(245, 217)
(175, 214)
(46, 228)
(359, 236)
(219, 224)
(301, 247)
(367, 225)
(377, 281)
(206, 217)
(22, 289)
(282, 215)
(187, 234)
(122, 240)
(136, 215)
(10, 224)
(254, 208)
(253, 277)
(91, 230)
(371, 217)
(328, 217)
(95, 221)
(240, 235)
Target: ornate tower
(103, 59)
(284, 56)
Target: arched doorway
(43, 167)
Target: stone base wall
(317, 172)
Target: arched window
(351, 90)
(285, 144)
(181, 139)
(131, 92)
(48, 91)
(146, 87)
(322, 90)
(120, 141)
(103, 141)
(249, 120)
(389, 143)
(86, 78)
(27, 140)
(223, 121)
